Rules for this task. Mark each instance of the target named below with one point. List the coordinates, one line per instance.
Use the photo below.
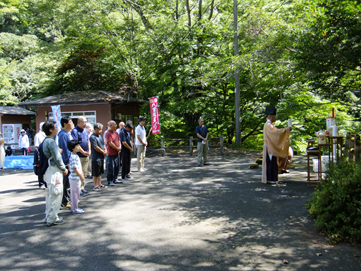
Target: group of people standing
(74, 150)
(82, 151)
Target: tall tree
(329, 51)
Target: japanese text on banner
(154, 112)
(57, 115)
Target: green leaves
(335, 205)
(50, 47)
(328, 49)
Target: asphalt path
(175, 216)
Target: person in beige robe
(276, 145)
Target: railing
(186, 144)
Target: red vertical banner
(154, 113)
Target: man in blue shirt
(202, 146)
(63, 138)
(81, 134)
(127, 149)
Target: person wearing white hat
(24, 142)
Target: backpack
(40, 163)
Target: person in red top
(113, 148)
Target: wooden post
(162, 146)
(347, 146)
(357, 148)
(191, 145)
(352, 147)
(221, 143)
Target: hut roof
(15, 110)
(82, 97)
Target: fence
(352, 147)
(187, 144)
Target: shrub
(336, 203)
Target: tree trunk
(230, 137)
(211, 11)
(189, 14)
(176, 10)
(200, 10)
(138, 9)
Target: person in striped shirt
(75, 177)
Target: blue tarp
(19, 161)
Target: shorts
(97, 168)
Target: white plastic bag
(54, 178)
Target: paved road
(174, 217)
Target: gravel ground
(176, 216)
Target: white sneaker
(142, 170)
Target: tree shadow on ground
(175, 217)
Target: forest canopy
(302, 56)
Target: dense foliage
(329, 50)
(336, 204)
(182, 51)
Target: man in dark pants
(29, 132)
(38, 139)
(131, 132)
(64, 137)
(276, 145)
(202, 146)
(121, 125)
(127, 150)
(113, 149)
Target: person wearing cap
(276, 146)
(202, 146)
(24, 142)
(140, 143)
(127, 149)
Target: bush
(336, 203)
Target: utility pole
(236, 77)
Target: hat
(22, 130)
(270, 110)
